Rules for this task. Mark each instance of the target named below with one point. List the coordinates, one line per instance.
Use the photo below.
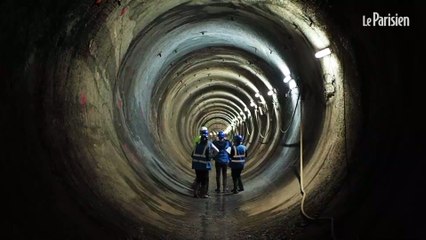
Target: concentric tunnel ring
(150, 81)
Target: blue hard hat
(238, 138)
(204, 132)
(221, 135)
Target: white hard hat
(203, 129)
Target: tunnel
(102, 100)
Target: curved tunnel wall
(127, 88)
(142, 83)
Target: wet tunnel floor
(215, 217)
(220, 217)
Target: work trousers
(221, 169)
(202, 183)
(236, 178)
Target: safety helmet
(238, 138)
(221, 135)
(204, 131)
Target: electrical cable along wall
(131, 84)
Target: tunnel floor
(217, 217)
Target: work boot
(218, 186)
(197, 190)
(235, 181)
(240, 186)
(204, 190)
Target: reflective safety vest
(238, 156)
(201, 157)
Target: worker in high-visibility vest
(203, 131)
(202, 165)
(238, 160)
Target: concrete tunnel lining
(133, 153)
(139, 152)
(115, 154)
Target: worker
(203, 131)
(238, 160)
(201, 164)
(222, 148)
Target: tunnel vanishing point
(108, 95)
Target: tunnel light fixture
(295, 91)
(292, 84)
(322, 53)
(246, 109)
(287, 79)
(284, 68)
(242, 113)
(257, 95)
(270, 93)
